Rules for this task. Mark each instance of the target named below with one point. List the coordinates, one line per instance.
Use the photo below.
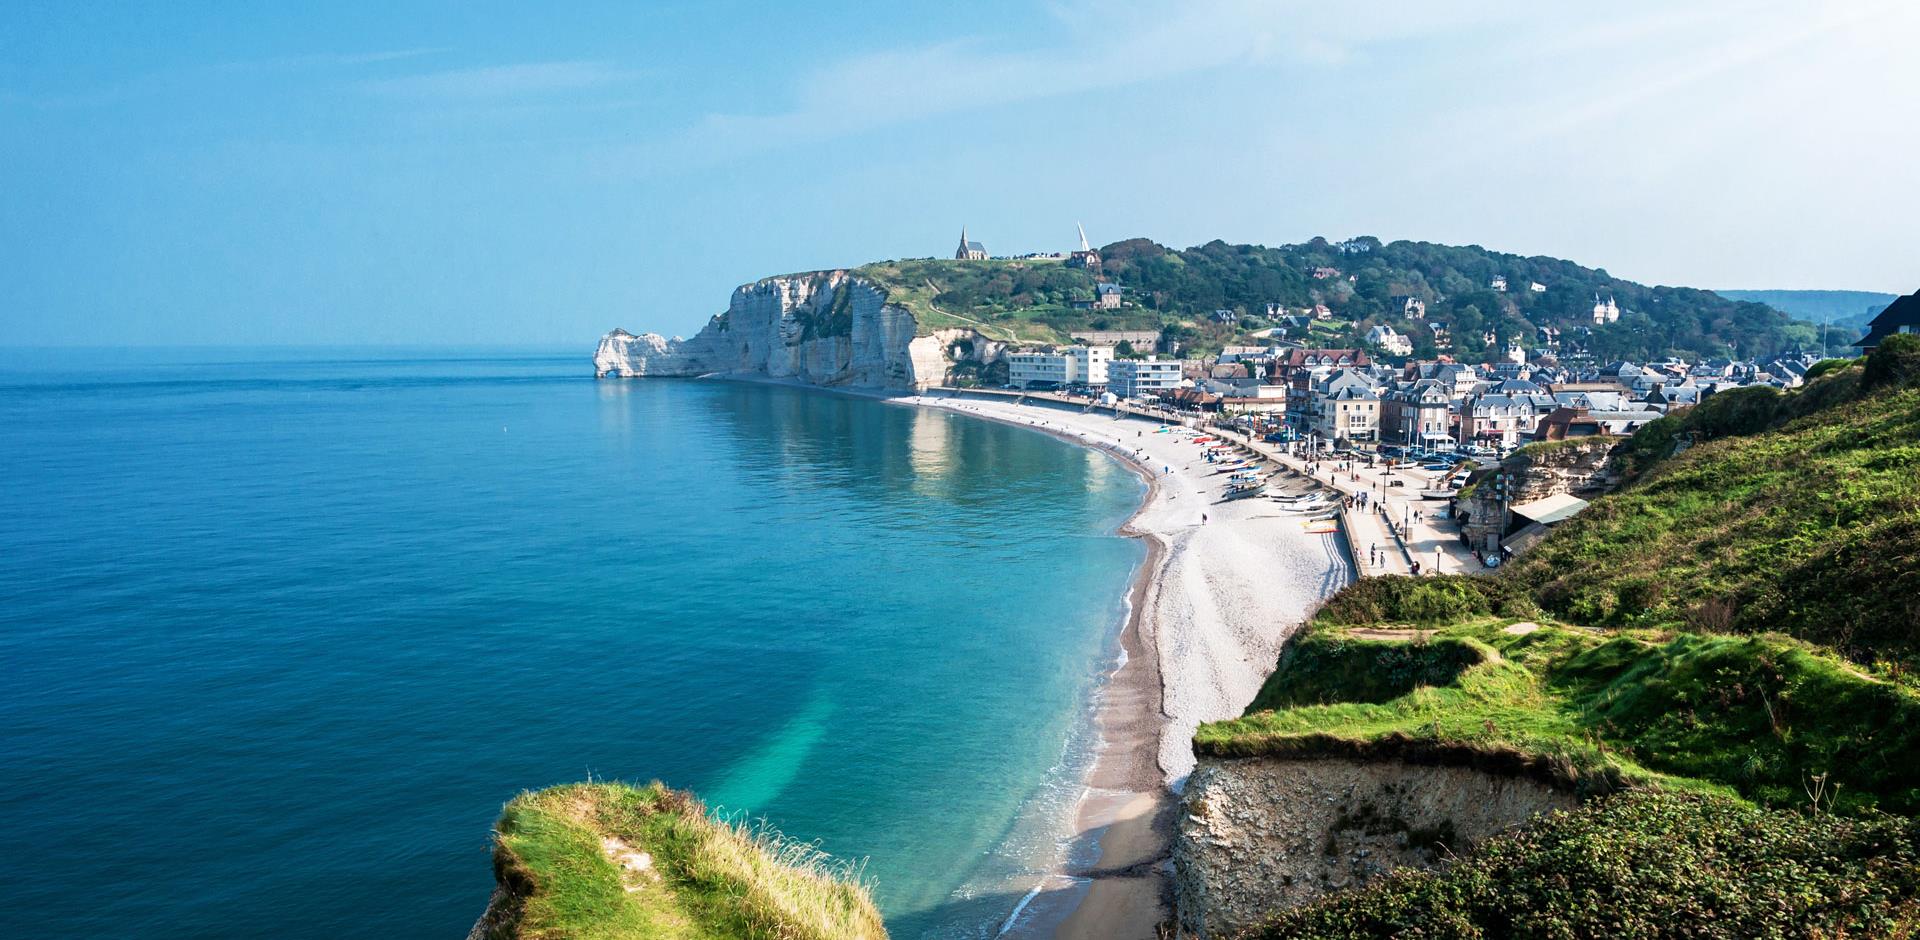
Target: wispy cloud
(1097, 47)
(496, 82)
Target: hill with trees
(1364, 282)
(1840, 307)
(1218, 294)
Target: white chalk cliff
(824, 328)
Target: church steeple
(969, 250)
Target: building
(1036, 369)
(1418, 414)
(1291, 361)
(1498, 283)
(1074, 365)
(1347, 410)
(1608, 312)
(1106, 296)
(1089, 364)
(1537, 287)
(1516, 353)
(1138, 378)
(1395, 344)
(1497, 420)
(969, 250)
(1084, 256)
(1323, 274)
(1901, 316)
(1414, 308)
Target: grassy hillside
(1797, 513)
(1018, 301)
(613, 862)
(1739, 776)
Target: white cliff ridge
(824, 328)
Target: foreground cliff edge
(610, 860)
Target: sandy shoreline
(1223, 586)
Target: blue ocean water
(281, 631)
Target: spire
(1083, 237)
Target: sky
(493, 173)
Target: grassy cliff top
(1018, 301)
(613, 861)
(1593, 710)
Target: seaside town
(1415, 445)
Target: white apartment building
(1082, 365)
(1090, 363)
(1030, 369)
(1138, 378)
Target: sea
(281, 629)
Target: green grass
(1764, 717)
(706, 880)
(1331, 666)
(1812, 529)
(1647, 865)
(1026, 301)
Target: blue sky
(486, 173)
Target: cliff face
(824, 328)
(1260, 834)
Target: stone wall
(1260, 834)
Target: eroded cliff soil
(1259, 834)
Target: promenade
(1396, 522)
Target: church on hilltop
(969, 251)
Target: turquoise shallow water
(281, 631)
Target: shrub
(1426, 600)
(1736, 412)
(1895, 363)
(1647, 864)
(1327, 666)
(1827, 366)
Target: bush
(1735, 412)
(1896, 363)
(1327, 666)
(1825, 366)
(1647, 864)
(1427, 600)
